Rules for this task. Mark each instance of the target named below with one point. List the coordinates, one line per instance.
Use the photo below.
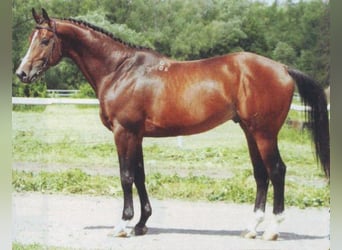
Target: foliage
(30, 90)
(85, 91)
(27, 107)
(284, 53)
(36, 246)
(72, 181)
(238, 189)
(295, 34)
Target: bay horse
(145, 94)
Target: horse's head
(45, 49)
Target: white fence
(61, 92)
(47, 101)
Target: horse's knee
(127, 181)
(277, 173)
(147, 210)
(128, 213)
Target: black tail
(313, 95)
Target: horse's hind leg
(262, 182)
(276, 169)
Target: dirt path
(83, 222)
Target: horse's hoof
(140, 230)
(270, 236)
(120, 234)
(247, 234)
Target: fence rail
(61, 92)
(48, 101)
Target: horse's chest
(121, 112)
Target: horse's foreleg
(127, 179)
(128, 145)
(146, 210)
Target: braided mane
(103, 31)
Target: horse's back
(194, 96)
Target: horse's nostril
(21, 74)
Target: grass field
(211, 166)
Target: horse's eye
(45, 41)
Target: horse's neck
(97, 55)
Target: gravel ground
(83, 222)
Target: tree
(284, 53)
(294, 33)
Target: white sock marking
(258, 218)
(121, 228)
(275, 223)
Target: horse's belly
(196, 108)
(155, 129)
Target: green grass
(240, 188)
(68, 135)
(72, 181)
(159, 157)
(211, 166)
(19, 246)
(209, 156)
(28, 108)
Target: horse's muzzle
(22, 76)
(29, 76)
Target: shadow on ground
(158, 230)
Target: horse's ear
(45, 15)
(35, 16)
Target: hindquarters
(264, 94)
(264, 98)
